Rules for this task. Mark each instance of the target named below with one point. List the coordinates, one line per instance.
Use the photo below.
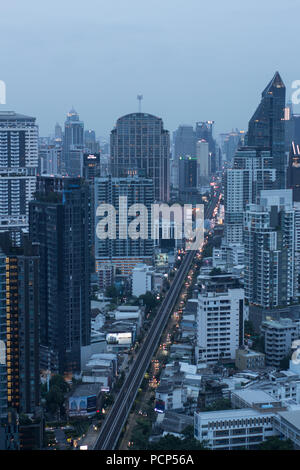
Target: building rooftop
(292, 417)
(86, 390)
(12, 116)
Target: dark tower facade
(140, 146)
(267, 126)
(59, 222)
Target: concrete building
(279, 336)
(119, 249)
(18, 170)
(142, 279)
(269, 237)
(247, 359)
(140, 146)
(234, 429)
(220, 319)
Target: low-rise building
(248, 359)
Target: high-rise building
(184, 141)
(59, 222)
(18, 170)
(140, 146)
(204, 130)
(90, 171)
(122, 251)
(269, 250)
(73, 143)
(19, 321)
(293, 171)
(252, 171)
(90, 141)
(203, 162)
(58, 133)
(50, 159)
(220, 318)
(188, 182)
(267, 126)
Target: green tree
(285, 362)
(274, 443)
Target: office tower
(91, 166)
(203, 162)
(59, 218)
(252, 172)
(220, 318)
(50, 160)
(19, 322)
(188, 183)
(204, 130)
(278, 339)
(293, 171)
(297, 247)
(267, 126)
(269, 251)
(73, 143)
(184, 144)
(141, 146)
(18, 170)
(58, 133)
(90, 141)
(122, 251)
(230, 142)
(90, 171)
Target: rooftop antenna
(140, 97)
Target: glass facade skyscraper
(267, 126)
(140, 146)
(59, 222)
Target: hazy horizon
(193, 61)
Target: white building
(142, 282)
(202, 160)
(269, 250)
(232, 429)
(18, 169)
(219, 324)
(279, 336)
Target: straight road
(114, 422)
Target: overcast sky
(192, 60)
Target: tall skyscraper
(18, 170)
(204, 131)
(73, 143)
(90, 141)
(267, 126)
(123, 251)
(252, 171)
(203, 162)
(184, 144)
(59, 222)
(90, 171)
(269, 250)
(140, 146)
(19, 327)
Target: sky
(192, 60)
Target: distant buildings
(73, 144)
(18, 170)
(140, 146)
